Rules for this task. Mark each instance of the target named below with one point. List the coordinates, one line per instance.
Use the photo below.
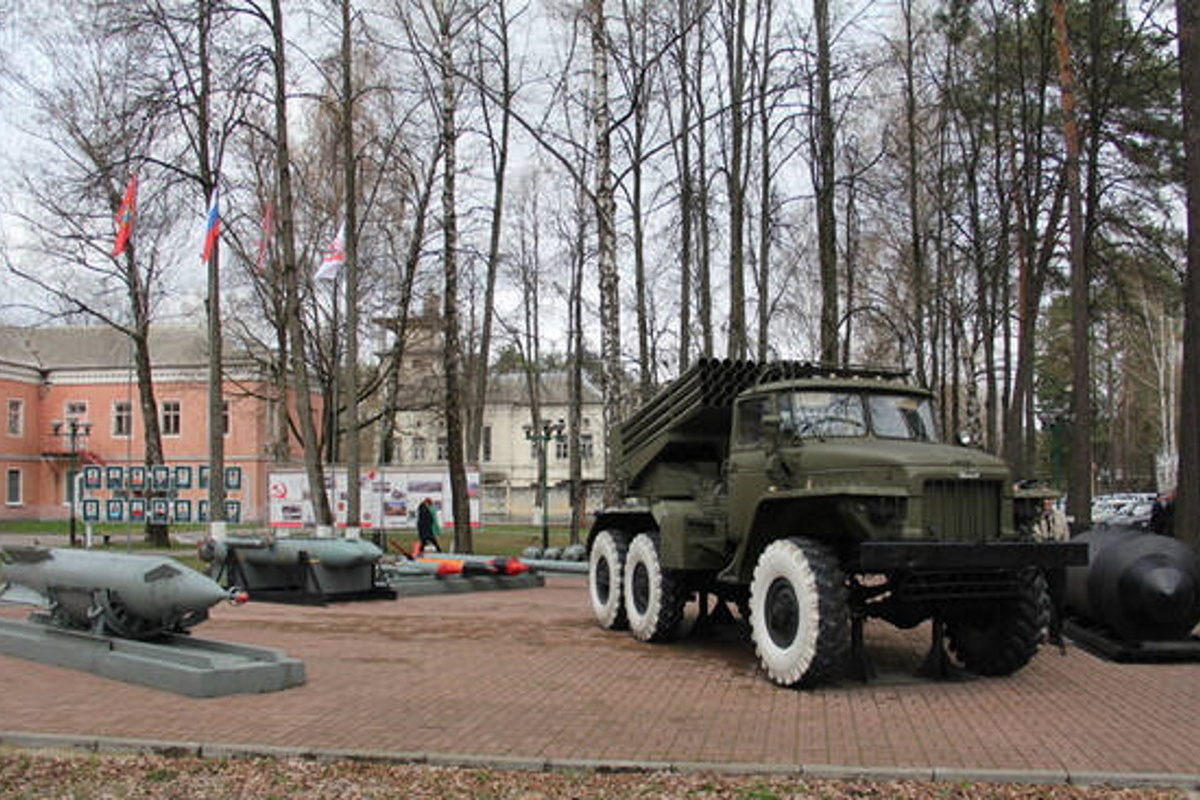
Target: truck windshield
(821, 414)
(902, 416)
(826, 414)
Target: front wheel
(999, 638)
(606, 567)
(799, 614)
(654, 599)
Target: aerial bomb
(295, 568)
(1140, 586)
(264, 551)
(126, 595)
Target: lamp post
(549, 431)
(73, 430)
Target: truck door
(747, 461)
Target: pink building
(72, 402)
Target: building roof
(512, 387)
(103, 347)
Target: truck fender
(631, 521)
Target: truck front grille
(962, 511)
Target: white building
(508, 456)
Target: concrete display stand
(1100, 642)
(180, 664)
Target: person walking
(427, 526)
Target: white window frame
(20, 475)
(18, 404)
(178, 414)
(116, 415)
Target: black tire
(654, 598)
(799, 614)
(606, 568)
(999, 637)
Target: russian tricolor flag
(212, 227)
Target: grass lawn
(490, 538)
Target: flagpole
(334, 415)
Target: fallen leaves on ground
(38, 774)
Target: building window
(224, 417)
(77, 410)
(418, 449)
(587, 446)
(443, 451)
(485, 444)
(16, 417)
(171, 418)
(562, 448)
(122, 423)
(12, 491)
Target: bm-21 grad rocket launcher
(125, 595)
(813, 497)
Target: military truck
(810, 499)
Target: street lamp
(549, 431)
(73, 430)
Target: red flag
(212, 226)
(125, 216)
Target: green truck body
(812, 499)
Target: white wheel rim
(784, 576)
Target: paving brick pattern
(528, 675)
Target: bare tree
(308, 432)
(496, 24)
(105, 130)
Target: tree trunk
(1080, 462)
(451, 354)
(479, 373)
(350, 171)
(826, 222)
(308, 432)
(1187, 508)
(683, 155)
(735, 48)
(912, 173)
(606, 245)
(208, 181)
(766, 211)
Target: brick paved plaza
(525, 676)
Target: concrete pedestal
(180, 664)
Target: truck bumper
(890, 556)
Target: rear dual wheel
(606, 569)
(1001, 636)
(654, 598)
